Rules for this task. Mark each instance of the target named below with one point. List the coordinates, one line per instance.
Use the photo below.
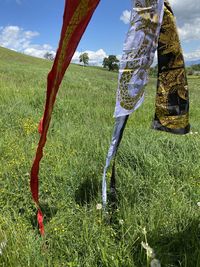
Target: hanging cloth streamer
(152, 27)
(77, 14)
(120, 124)
(172, 98)
(138, 54)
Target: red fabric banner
(77, 15)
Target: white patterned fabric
(138, 54)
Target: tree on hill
(111, 62)
(196, 67)
(49, 56)
(189, 71)
(84, 58)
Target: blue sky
(33, 27)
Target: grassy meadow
(158, 174)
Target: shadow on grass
(48, 213)
(87, 191)
(181, 249)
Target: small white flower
(198, 204)
(121, 222)
(196, 132)
(2, 246)
(155, 263)
(144, 231)
(144, 245)
(99, 206)
(150, 251)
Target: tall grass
(158, 174)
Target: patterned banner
(152, 27)
(172, 98)
(138, 54)
(77, 15)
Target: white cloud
(186, 10)
(192, 56)
(16, 38)
(39, 50)
(190, 31)
(188, 20)
(119, 57)
(125, 17)
(187, 17)
(95, 57)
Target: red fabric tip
(40, 222)
(40, 126)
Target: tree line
(112, 64)
(194, 70)
(191, 70)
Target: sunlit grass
(158, 174)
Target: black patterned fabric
(172, 99)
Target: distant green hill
(8, 55)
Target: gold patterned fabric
(172, 98)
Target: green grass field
(158, 174)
